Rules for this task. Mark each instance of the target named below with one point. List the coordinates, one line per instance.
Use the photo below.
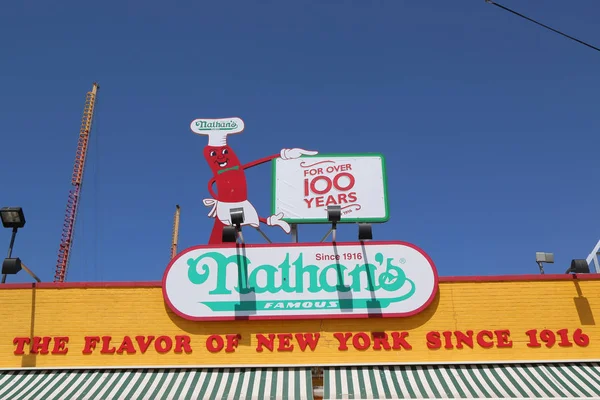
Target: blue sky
(489, 123)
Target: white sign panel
(304, 187)
(295, 281)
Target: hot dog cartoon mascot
(230, 178)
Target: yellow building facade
(513, 336)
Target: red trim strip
(442, 279)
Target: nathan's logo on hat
(204, 126)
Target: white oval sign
(204, 126)
(294, 281)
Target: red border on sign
(301, 317)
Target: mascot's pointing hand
(290, 154)
(276, 220)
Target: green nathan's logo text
(385, 277)
(216, 125)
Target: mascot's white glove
(290, 154)
(275, 220)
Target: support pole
(10, 248)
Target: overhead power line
(545, 26)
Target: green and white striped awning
(514, 381)
(155, 384)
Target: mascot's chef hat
(217, 129)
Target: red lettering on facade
(462, 339)
(433, 340)
(60, 345)
(40, 345)
(144, 343)
(380, 340)
(90, 344)
(163, 344)
(264, 342)
(399, 341)
(214, 343)
(482, 342)
(232, 342)
(361, 337)
(307, 339)
(105, 346)
(127, 346)
(503, 338)
(21, 342)
(343, 339)
(182, 343)
(284, 342)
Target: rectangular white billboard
(304, 187)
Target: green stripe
(524, 380)
(461, 393)
(395, 373)
(274, 374)
(349, 381)
(29, 388)
(571, 370)
(176, 374)
(76, 376)
(442, 381)
(591, 376)
(107, 377)
(129, 374)
(361, 382)
(404, 374)
(430, 381)
(204, 388)
(298, 382)
(418, 380)
(492, 371)
(89, 380)
(251, 383)
(153, 376)
(238, 389)
(22, 377)
(186, 376)
(227, 390)
(308, 384)
(384, 384)
(374, 387)
(261, 386)
(507, 376)
(566, 385)
(475, 379)
(287, 375)
(529, 371)
(465, 381)
(48, 380)
(548, 380)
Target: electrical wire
(545, 26)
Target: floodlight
(10, 266)
(365, 232)
(544, 257)
(237, 216)
(334, 213)
(12, 217)
(579, 267)
(229, 234)
(541, 257)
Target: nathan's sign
(304, 187)
(389, 279)
(205, 125)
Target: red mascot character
(230, 178)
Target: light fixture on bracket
(334, 215)
(541, 258)
(365, 231)
(579, 267)
(231, 232)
